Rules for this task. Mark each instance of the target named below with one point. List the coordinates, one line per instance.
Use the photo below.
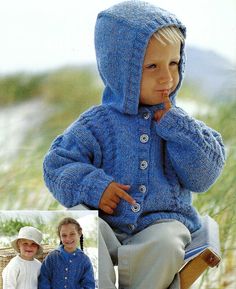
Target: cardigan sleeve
(44, 280)
(195, 150)
(72, 168)
(87, 280)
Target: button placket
(145, 140)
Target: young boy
(23, 270)
(137, 156)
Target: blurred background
(48, 76)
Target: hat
(29, 233)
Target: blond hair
(169, 34)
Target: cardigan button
(135, 208)
(142, 189)
(143, 165)
(144, 138)
(131, 227)
(146, 115)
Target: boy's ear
(17, 243)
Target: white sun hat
(29, 233)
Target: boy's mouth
(164, 91)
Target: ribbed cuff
(174, 120)
(92, 195)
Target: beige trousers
(149, 259)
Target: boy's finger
(115, 199)
(167, 105)
(123, 195)
(157, 115)
(123, 187)
(165, 95)
(112, 204)
(107, 209)
(166, 98)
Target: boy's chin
(150, 103)
(27, 257)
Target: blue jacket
(71, 271)
(119, 140)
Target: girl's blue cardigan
(59, 271)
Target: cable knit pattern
(60, 271)
(21, 274)
(120, 141)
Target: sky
(36, 35)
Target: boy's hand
(112, 195)
(167, 106)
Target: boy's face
(28, 249)
(69, 236)
(160, 71)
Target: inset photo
(49, 249)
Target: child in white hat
(23, 270)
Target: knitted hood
(122, 33)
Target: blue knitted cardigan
(72, 271)
(119, 140)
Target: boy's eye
(174, 63)
(151, 66)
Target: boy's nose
(166, 80)
(165, 77)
